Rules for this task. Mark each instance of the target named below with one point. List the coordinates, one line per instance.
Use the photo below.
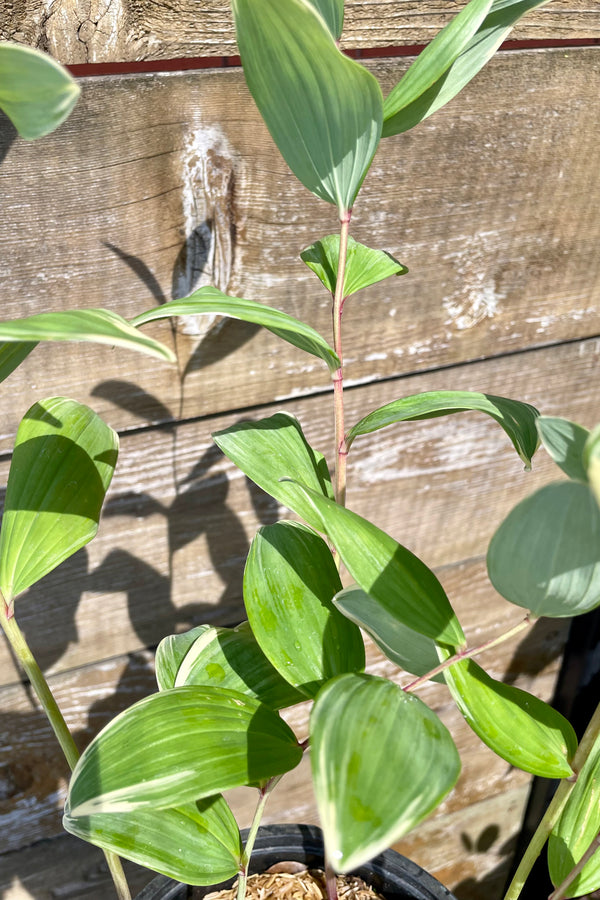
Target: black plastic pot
(391, 874)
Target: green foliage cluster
(149, 786)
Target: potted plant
(149, 786)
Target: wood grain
(120, 30)
(161, 183)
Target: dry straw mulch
(298, 885)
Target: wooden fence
(163, 179)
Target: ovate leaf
(408, 102)
(323, 110)
(333, 13)
(565, 442)
(495, 28)
(36, 93)
(381, 762)
(289, 581)
(196, 843)
(410, 650)
(517, 419)
(168, 750)
(392, 575)
(275, 448)
(12, 355)
(97, 325)
(577, 827)
(229, 658)
(364, 266)
(62, 465)
(518, 726)
(210, 300)
(171, 653)
(545, 556)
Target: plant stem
(561, 890)
(264, 794)
(341, 450)
(555, 807)
(330, 881)
(20, 647)
(469, 653)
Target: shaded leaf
(495, 28)
(323, 110)
(408, 102)
(518, 726)
(97, 325)
(62, 465)
(364, 266)
(333, 13)
(211, 300)
(12, 355)
(517, 419)
(564, 441)
(410, 650)
(167, 750)
(392, 575)
(289, 581)
(275, 448)
(578, 825)
(591, 461)
(545, 556)
(36, 93)
(381, 762)
(228, 658)
(197, 843)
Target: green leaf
(98, 325)
(517, 419)
(577, 827)
(210, 300)
(494, 29)
(591, 461)
(62, 465)
(171, 653)
(364, 266)
(410, 650)
(289, 581)
(518, 726)
(408, 102)
(228, 658)
(275, 448)
(333, 13)
(323, 110)
(564, 441)
(197, 843)
(36, 93)
(392, 575)
(12, 355)
(381, 762)
(545, 556)
(178, 746)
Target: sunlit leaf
(323, 110)
(408, 102)
(591, 461)
(518, 726)
(97, 325)
(167, 750)
(333, 13)
(392, 575)
(517, 419)
(410, 650)
(62, 465)
(545, 556)
(577, 827)
(196, 843)
(12, 355)
(381, 762)
(565, 442)
(364, 266)
(223, 657)
(275, 448)
(495, 28)
(36, 93)
(210, 300)
(289, 581)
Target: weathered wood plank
(179, 519)
(119, 30)
(159, 183)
